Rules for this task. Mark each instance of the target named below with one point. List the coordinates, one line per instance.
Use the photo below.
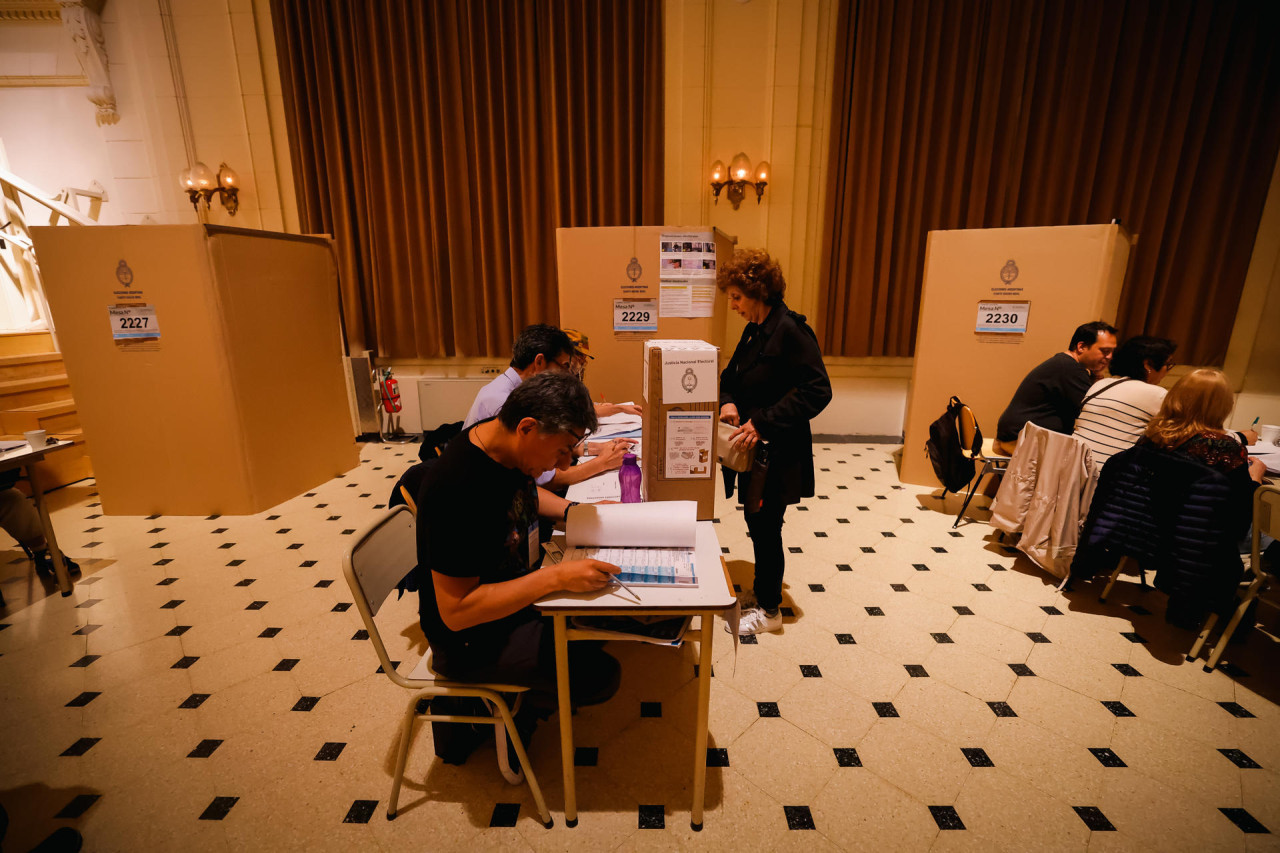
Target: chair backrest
(382, 554)
(968, 428)
(1266, 513)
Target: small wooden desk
(714, 594)
(21, 457)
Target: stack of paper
(653, 543)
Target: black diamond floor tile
(1106, 757)
(946, 817)
(586, 756)
(885, 709)
(1021, 669)
(80, 747)
(977, 757)
(78, 805)
(505, 814)
(305, 703)
(1127, 670)
(650, 709)
(768, 709)
(1236, 710)
(846, 640)
(86, 697)
(330, 751)
(204, 749)
(195, 700)
(652, 817)
(847, 756)
(916, 670)
(1239, 759)
(1001, 709)
(1119, 709)
(1094, 818)
(1246, 822)
(361, 811)
(798, 817)
(717, 757)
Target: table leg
(55, 553)
(700, 732)
(566, 720)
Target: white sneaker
(756, 621)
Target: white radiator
(443, 401)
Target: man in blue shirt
(540, 348)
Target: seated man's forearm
(489, 602)
(551, 505)
(578, 473)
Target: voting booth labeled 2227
(206, 363)
(995, 303)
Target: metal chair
(992, 462)
(381, 556)
(1266, 519)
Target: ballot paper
(653, 542)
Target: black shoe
(44, 564)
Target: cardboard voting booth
(625, 285)
(681, 385)
(995, 303)
(206, 363)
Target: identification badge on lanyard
(535, 546)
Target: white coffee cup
(1269, 434)
(35, 438)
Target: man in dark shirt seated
(478, 548)
(1051, 393)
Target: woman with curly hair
(774, 385)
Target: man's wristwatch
(568, 507)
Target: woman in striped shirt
(1117, 409)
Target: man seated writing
(478, 517)
(1051, 394)
(538, 349)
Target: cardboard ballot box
(681, 389)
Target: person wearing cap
(581, 355)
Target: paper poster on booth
(689, 376)
(687, 454)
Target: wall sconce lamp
(737, 178)
(201, 184)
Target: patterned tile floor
(208, 687)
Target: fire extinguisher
(388, 391)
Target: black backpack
(945, 449)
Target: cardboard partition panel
(995, 303)
(206, 363)
(599, 267)
(681, 393)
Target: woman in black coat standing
(774, 385)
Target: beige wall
(192, 78)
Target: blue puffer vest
(1175, 516)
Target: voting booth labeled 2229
(646, 297)
(206, 363)
(995, 303)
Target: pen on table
(627, 588)
(1255, 422)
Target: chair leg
(973, 488)
(1205, 630)
(402, 756)
(513, 777)
(1250, 594)
(1119, 567)
(529, 776)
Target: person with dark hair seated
(1117, 410)
(1051, 393)
(478, 548)
(1178, 501)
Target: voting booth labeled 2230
(206, 363)
(995, 303)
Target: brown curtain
(996, 113)
(442, 143)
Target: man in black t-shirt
(478, 515)
(1051, 393)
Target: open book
(651, 542)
